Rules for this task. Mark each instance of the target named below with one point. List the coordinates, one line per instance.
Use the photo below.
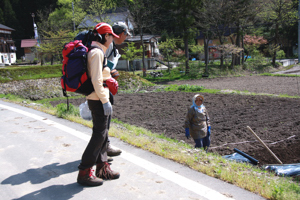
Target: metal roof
(138, 38)
(89, 22)
(28, 43)
(6, 27)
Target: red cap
(103, 28)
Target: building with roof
(123, 15)
(7, 46)
(29, 46)
(118, 15)
(151, 52)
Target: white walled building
(7, 46)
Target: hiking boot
(86, 177)
(103, 171)
(113, 152)
(109, 159)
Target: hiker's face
(109, 39)
(121, 38)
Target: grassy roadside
(246, 176)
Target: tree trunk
(221, 60)
(243, 52)
(206, 57)
(233, 56)
(186, 49)
(127, 65)
(238, 44)
(168, 64)
(52, 58)
(143, 58)
(221, 53)
(42, 59)
(275, 45)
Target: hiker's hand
(107, 109)
(187, 133)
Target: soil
(275, 120)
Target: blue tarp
(284, 170)
(237, 157)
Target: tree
(142, 13)
(52, 43)
(167, 49)
(198, 50)
(214, 20)
(95, 9)
(184, 19)
(243, 14)
(131, 53)
(62, 18)
(252, 43)
(9, 15)
(279, 13)
(229, 49)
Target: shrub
(191, 88)
(280, 54)
(63, 111)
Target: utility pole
(33, 15)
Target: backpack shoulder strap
(105, 58)
(113, 51)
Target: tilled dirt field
(275, 120)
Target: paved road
(294, 70)
(39, 155)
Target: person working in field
(197, 123)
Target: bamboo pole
(264, 145)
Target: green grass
(280, 75)
(197, 70)
(14, 73)
(62, 110)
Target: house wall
(29, 57)
(7, 48)
(150, 63)
(151, 51)
(8, 58)
(212, 45)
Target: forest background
(266, 28)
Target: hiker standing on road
(197, 123)
(101, 109)
(112, 54)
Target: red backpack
(74, 69)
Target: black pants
(95, 151)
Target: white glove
(107, 109)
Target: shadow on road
(57, 192)
(40, 175)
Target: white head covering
(198, 108)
